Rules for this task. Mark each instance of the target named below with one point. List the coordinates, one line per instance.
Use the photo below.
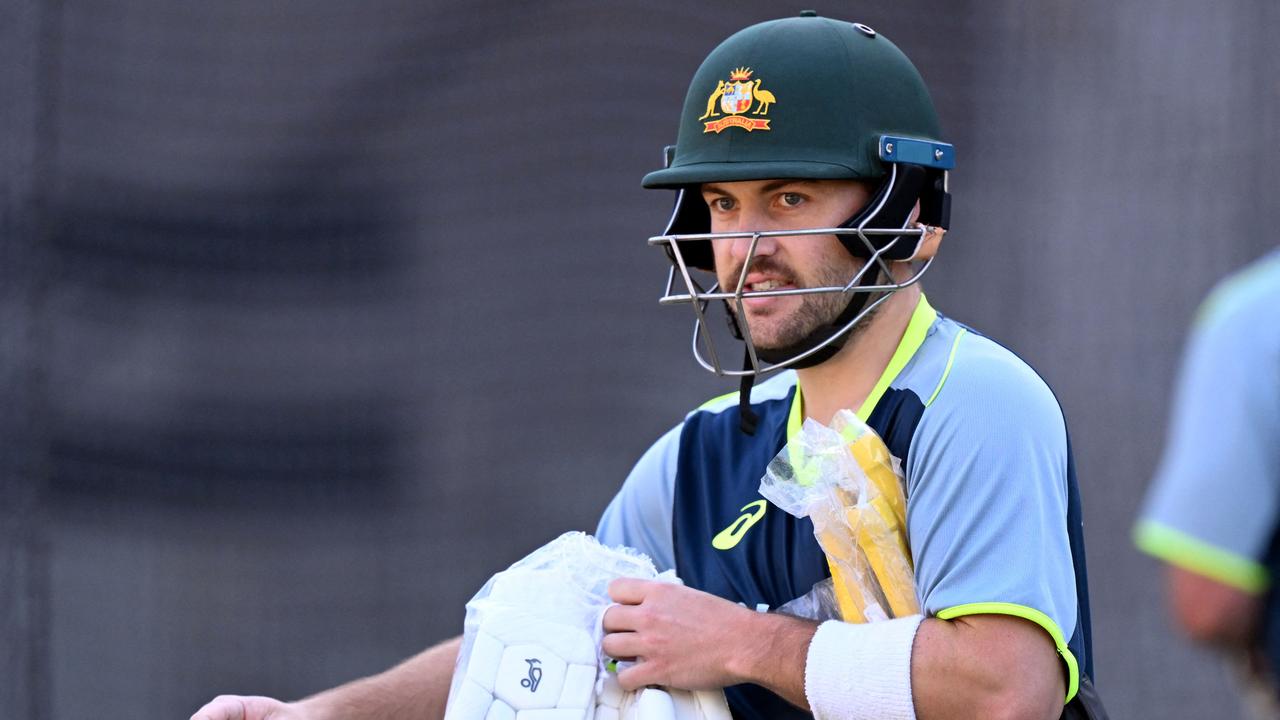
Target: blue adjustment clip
(917, 152)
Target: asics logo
(729, 537)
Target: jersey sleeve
(988, 495)
(1212, 507)
(639, 516)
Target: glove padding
(531, 646)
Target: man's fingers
(223, 707)
(629, 591)
(621, 618)
(637, 676)
(621, 645)
(240, 707)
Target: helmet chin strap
(747, 418)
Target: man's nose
(751, 222)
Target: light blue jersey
(993, 511)
(1214, 504)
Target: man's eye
(723, 204)
(792, 199)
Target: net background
(314, 315)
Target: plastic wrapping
(531, 641)
(818, 604)
(844, 479)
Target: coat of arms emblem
(736, 98)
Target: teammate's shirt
(1215, 503)
(993, 511)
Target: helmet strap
(747, 418)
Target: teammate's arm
(416, 688)
(1212, 509)
(1211, 612)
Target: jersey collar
(922, 318)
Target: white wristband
(861, 672)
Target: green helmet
(805, 98)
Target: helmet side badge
(741, 101)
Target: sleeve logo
(736, 99)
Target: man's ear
(928, 246)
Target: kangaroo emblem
(711, 102)
(742, 104)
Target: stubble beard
(777, 331)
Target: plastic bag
(844, 479)
(818, 604)
(531, 640)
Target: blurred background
(313, 315)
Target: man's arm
(416, 688)
(1211, 612)
(1212, 509)
(988, 666)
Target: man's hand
(681, 638)
(237, 707)
(414, 689)
(691, 640)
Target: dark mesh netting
(314, 315)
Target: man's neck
(845, 381)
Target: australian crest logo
(736, 100)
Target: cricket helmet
(805, 98)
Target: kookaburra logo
(535, 675)
(735, 98)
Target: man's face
(785, 262)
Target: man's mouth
(761, 282)
(758, 283)
(764, 285)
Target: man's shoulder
(771, 400)
(1245, 299)
(776, 388)
(993, 414)
(987, 382)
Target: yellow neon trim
(1033, 615)
(716, 399)
(795, 418)
(955, 345)
(922, 319)
(1190, 553)
(795, 421)
(1255, 278)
